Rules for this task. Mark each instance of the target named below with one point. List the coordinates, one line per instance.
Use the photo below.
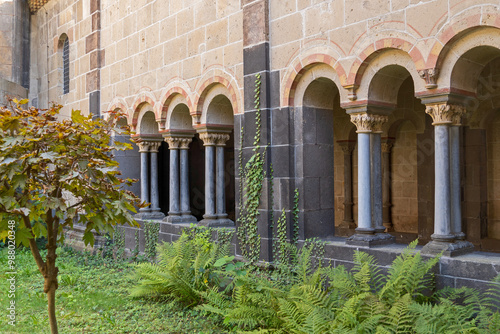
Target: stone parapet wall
(474, 270)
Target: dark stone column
(347, 226)
(387, 145)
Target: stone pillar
(376, 168)
(455, 188)
(209, 141)
(386, 185)
(184, 186)
(144, 151)
(174, 213)
(445, 232)
(366, 125)
(155, 199)
(347, 224)
(221, 186)
(215, 214)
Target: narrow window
(65, 56)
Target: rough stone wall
(404, 180)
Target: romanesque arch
(315, 98)
(178, 132)
(215, 109)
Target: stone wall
(404, 180)
(14, 49)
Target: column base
(370, 240)
(346, 228)
(388, 227)
(223, 222)
(450, 249)
(177, 219)
(149, 215)
(189, 219)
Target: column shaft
(455, 189)
(155, 201)
(364, 184)
(442, 220)
(221, 196)
(144, 180)
(209, 182)
(174, 182)
(376, 168)
(185, 209)
(386, 187)
(348, 217)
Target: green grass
(93, 297)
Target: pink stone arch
(359, 67)
(299, 67)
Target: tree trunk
(50, 286)
(50, 274)
(51, 299)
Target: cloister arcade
(398, 149)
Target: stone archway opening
(150, 141)
(182, 185)
(316, 179)
(478, 73)
(216, 133)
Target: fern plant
(183, 271)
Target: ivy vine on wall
(251, 179)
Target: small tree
(54, 172)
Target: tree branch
(33, 246)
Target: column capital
(184, 143)
(175, 143)
(146, 146)
(214, 139)
(445, 113)
(347, 146)
(368, 123)
(143, 146)
(387, 146)
(154, 146)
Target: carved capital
(387, 147)
(430, 76)
(366, 123)
(347, 147)
(445, 113)
(184, 143)
(214, 139)
(154, 146)
(222, 139)
(459, 115)
(174, 143)
(143, 146)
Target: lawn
(93, 297)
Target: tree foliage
(56, 171)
